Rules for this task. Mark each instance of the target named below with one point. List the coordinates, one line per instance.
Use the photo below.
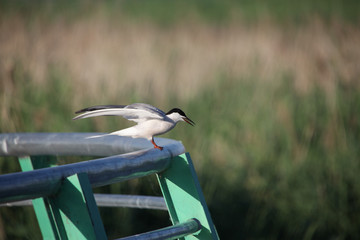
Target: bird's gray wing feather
(137, 112)
(147, 107)
(93, 108)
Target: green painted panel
(75, 210)
(46, 221)
(72, 212)
(184, 198)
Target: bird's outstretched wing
(137, 112)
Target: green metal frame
(184, 198)
(72, 213)
(41, 206)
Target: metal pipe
(103, 171)
(114, 200)
(131, 201)
(172, 232)
(17, 204)
(74, 144)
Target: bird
(151, 121)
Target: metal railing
(123, 158)
(112, 200)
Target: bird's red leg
(156, 146)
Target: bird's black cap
(178, 110)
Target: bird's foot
(155, 145)
(158, 147)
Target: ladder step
(113, 200)
(173, 232)
(131, 201)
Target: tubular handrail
(113, 200)
(130, 201)
(103, 171)
(173, 232)
(78, 144)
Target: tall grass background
(273, 88)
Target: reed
(276, 107)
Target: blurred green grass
(274, 161)
(281, 163)
(284, 164)
(170, 12)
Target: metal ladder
(62, 196)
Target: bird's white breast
(154, 127)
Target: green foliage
(284, 164)
(169, 12)
(31, 103)
(274, 162)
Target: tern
(150, 120)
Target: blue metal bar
(113, 200)
(104, 171)
(74, 144)
(131, 201)
(17, 203)
(172, 232)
